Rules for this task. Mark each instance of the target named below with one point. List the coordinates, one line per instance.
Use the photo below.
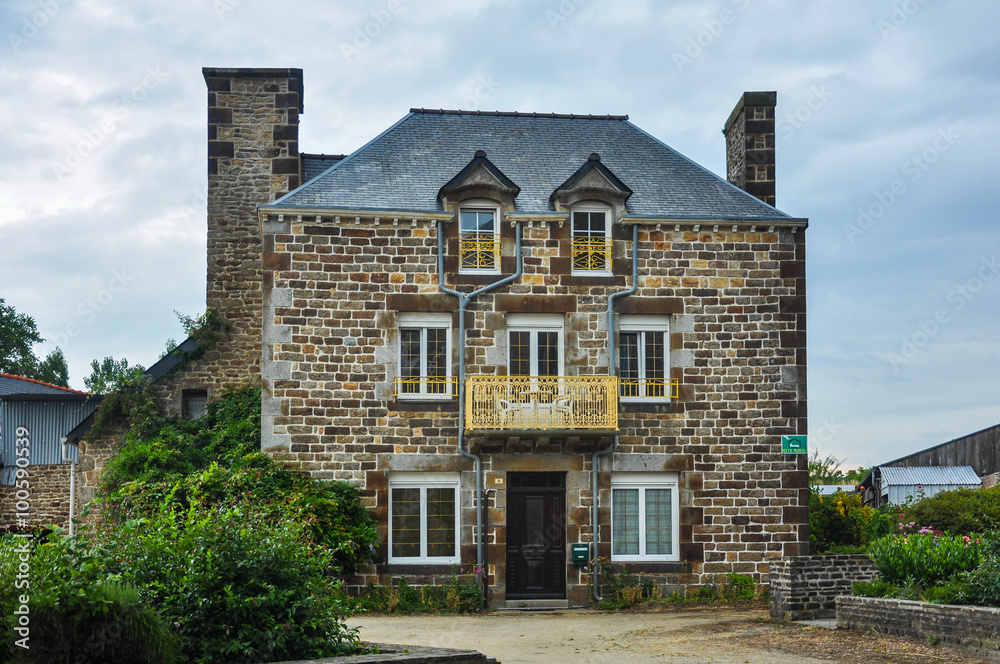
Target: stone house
(486, 321)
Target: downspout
(613, 371)
(72, 482)
(463, 303)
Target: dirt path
(706, 636)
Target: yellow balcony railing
(479, 251)
(591, 253)
(417, 388)
(549, 402)
(648, 388)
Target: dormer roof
(480, 179)
(592, 181)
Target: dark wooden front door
(536, 535)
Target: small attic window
(194, 403)
(591, 239)
(479, 237)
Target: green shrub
(876, 588)
(961, 512)
(236, 585)
(78, 613)
(924, 559)
(983, 583)
(840, 521)
(951, 592)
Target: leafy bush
(960, 512)
(876, 588)
(924, 559)
(79, 613)
(236, 586)
(983, 583)
(839, 520)
(461, 594)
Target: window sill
(644, 559)
(592, 273)
(425, 561)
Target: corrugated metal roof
(929, 475)
(404, 167)
(11, 384)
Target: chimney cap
(751, 98)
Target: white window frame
(424, 481)
(481, 205)
(423, 322)
(643, 324)
(590, 207)
(641, 482)
(535, 323)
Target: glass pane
(628, 363)
(406, 523)
(520, 353)
(477, 221)
(409, 360)
(437, 361)
(659, 530)
(440, 522)
(548, 353)
(625, 522)
(588, 224)
(654, 364)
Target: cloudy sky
(887, 140)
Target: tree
(18, 333)
(110, 375)
(825, 471)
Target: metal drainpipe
(463, 302)
(613, 371)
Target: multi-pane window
(479, 239)
(644, 516)
(424, 356)
(423, 517)
(643, 352)
(591, 241)
(534, 345)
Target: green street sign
(793, 445)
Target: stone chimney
(253, 159)
(750, 144)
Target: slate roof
(929, 476)
(404, 167)
(313, 165)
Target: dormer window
(591, 240)
(479, 238)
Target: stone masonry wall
(253, 125)
(973, 627)
(49, 498)
(750, 145)
(807, 587)
(737, 345)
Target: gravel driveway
(584, 637)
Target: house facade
(531, 340)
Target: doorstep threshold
(533, 605)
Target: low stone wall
(973, 627)
(807, 587)
(408, 654)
